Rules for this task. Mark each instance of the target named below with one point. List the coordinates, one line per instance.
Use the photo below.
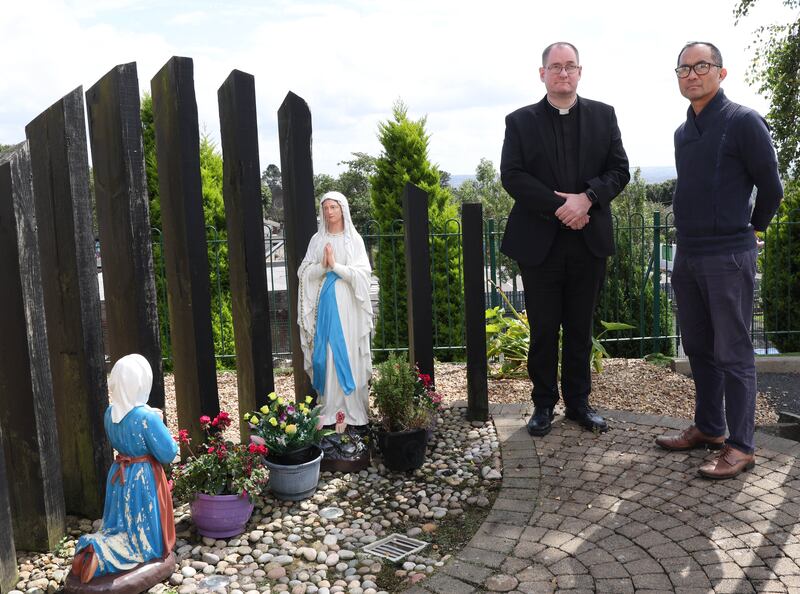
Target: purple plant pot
(220, 516)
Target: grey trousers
(715, 309)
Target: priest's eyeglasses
(557, 68)
(700, 69)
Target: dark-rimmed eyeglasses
(557, 68)
(700, 69)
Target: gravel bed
(293, 547)
(290, 547)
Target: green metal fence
(637, 290)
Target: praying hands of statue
(328, 261)
(574, 212)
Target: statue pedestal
(346, 452)
(136, 580)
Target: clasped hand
(328, 261)
(574, 212)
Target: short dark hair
(546, 52)
(715, 53)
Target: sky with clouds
(464, 64)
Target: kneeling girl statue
(335, 315)
(138, 522)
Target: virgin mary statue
(335, 315)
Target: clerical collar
(561, 110)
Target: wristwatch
(591, 195)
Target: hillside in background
(652, 175)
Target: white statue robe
(355, 314)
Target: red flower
(183, 436)
(211, 449)
(340, 417)
(205, 421)
(426, 379)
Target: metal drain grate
(394, 547)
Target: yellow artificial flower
(265, 409)
(283, 425)
(273, 421)
(246, 416)
(272, 396)
(280, 401)
(309, 399)
(291, 429)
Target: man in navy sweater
(722, 151)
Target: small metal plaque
(394, 547)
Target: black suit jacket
(528, 172)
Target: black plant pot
(301, 456)
(403, 450)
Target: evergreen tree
(405, 159)
(214, 215)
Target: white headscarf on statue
(311, 275)
(129, 385)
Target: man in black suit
(562, 162)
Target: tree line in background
(776, 71)
(374, 185)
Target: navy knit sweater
(720, 156)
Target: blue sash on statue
(329, 331)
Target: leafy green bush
(780, 282)
(627, 294)
(508, 339)
(403, 398)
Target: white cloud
(464, 64)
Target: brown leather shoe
(729, 463)
(690, 439)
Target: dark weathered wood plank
(241, 191)
(297, 173)
(123, 218)
(27, 411)
(8, 553)
(59, 161)
(474, 313)
(418, 278)
(185, 246)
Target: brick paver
(581, 512)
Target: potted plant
(219, 478)
(406, 403)
(291, 432)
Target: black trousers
(561, 293)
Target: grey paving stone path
(579, 512)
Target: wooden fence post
(8, 554)
(418, 278)
(185, 247)
(474, 313)
(27, 410)
(241, 191)
(123, 217)
(294, 132)
(59, 161)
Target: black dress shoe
(539, 423)
(587, 417)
